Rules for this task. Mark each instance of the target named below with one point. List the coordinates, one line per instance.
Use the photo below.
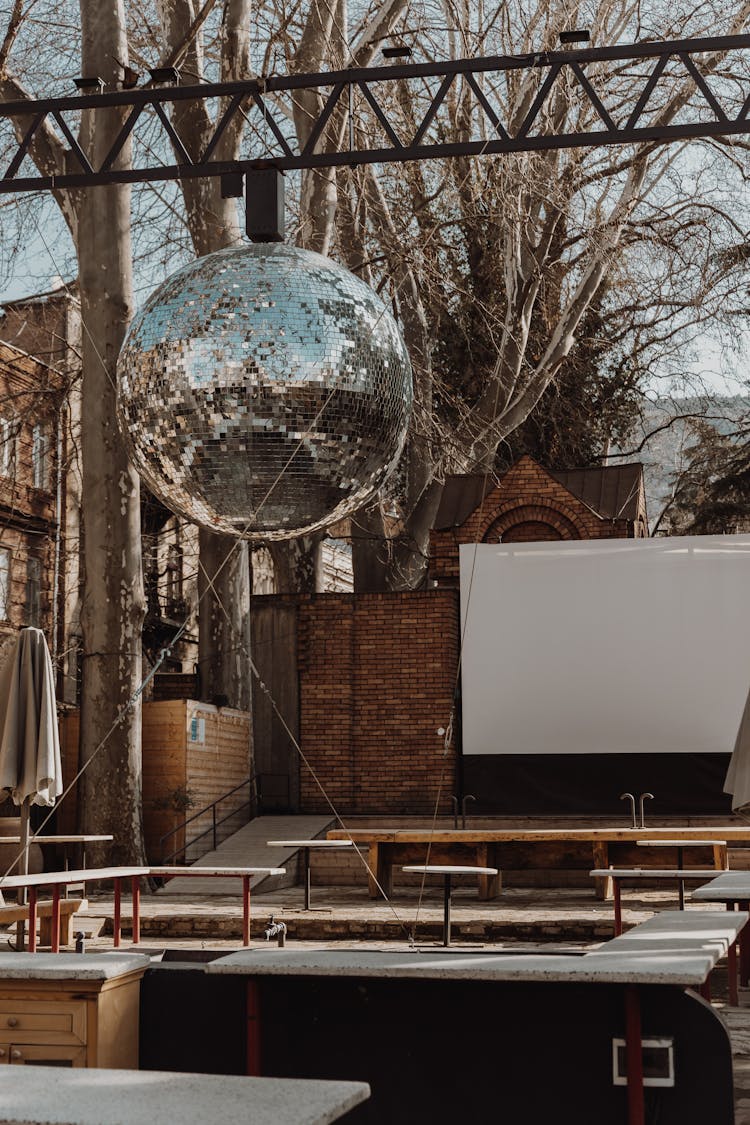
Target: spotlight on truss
(165, 74)
(90, 82)
(399, 51)
(579, 35)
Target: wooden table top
(529, 835)
(705, 873)
(448, 869)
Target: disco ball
(264, 391)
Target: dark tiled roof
(612, 491)
(460, 497)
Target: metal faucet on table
(641, 801)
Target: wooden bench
(68, 907)
(481, 846)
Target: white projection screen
(605, 646)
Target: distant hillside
(665, 429)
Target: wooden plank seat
(68, 907)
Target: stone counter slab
(42, 1096)
(684, 967)
(70, 966)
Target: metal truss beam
(257, 100)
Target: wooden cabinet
(70, 1022)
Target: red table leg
(732, 974)
(32, 919)
(136, 884)
(116, 920)
(253, 1029)
(617, 906)
(634, 1056)
(55, 920)
(744, 950)
(245, 909)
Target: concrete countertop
(688, 967)
(39, 1095)
(69, 966)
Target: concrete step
(249, 848)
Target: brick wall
(527, 504)
(376, 680)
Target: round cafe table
(305, 846)
(447, 871)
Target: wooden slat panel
(274, 647)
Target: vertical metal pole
(116, 919)
(306, 852)
(681, 882)
(55, 920)
(744, 949)
(253, 1029)
(213, 818)
(351, 118)
(447, 911)
(617, 906)
(732, 974)
(136, 885)
(32, 919)
(245, 909)
(634, 1056)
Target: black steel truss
(336, 90)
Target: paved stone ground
(566, 919)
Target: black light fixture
(401, 51)
(92, 82)
(579, 35)
(165, 74)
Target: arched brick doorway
(527, 523)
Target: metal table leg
(447, 911)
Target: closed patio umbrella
(30, 769)
(738, 775)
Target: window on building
(4, 584)
(39, 457)
(33, 592)
(7, 447)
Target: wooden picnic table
(389, 846)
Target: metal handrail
(254, 798)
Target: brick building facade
(375, 675)
(32, 446)
(374, 680)
(532, 504)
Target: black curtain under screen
(591, 784)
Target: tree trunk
(113, 602)
(224, 576)
(296, 564)
(224, 621)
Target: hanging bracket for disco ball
(264, 391)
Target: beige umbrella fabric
(30, 768)
(738, 775)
